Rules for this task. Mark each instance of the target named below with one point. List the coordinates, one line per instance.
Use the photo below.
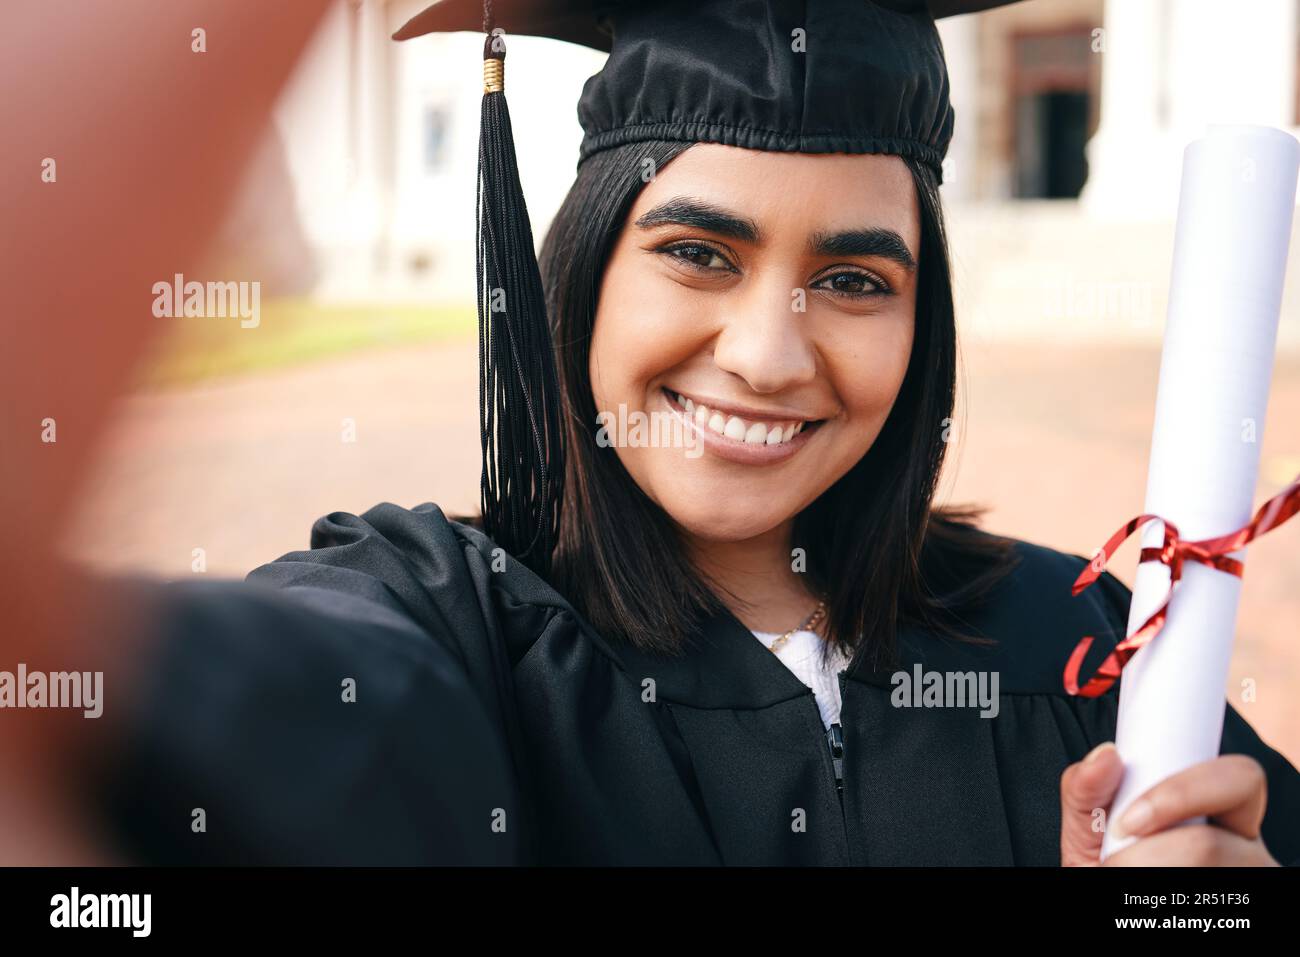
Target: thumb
(1087, 788)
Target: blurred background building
(381, 147)
(359, 384)
(1070, 114)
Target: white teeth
(736, 428)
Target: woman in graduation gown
(751, 257)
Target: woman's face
(758, 312)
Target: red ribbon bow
(1172, 552)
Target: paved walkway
(1054, 440)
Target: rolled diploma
(1230, 247)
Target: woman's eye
(852, 284)
(697, 256)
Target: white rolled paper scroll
(1230, 248)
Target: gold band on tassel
(494, 75)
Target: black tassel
(519, 396)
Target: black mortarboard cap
(809, 76)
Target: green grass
(294, 331)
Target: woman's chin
(728, 521)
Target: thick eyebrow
(874, 241)
(685, 211)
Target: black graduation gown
(491, 724)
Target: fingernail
(1098, 751)
(1137, 817)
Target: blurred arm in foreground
(122, 147)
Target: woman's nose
(765, 340)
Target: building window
(437, 119)
(1053, 87)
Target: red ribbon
(1172, 552)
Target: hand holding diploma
(1230, 790)
(1234, 225)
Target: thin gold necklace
(808, 624)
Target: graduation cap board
(809, 76)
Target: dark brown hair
(875, 546)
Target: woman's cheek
(638, 338)
(868, 372)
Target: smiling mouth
(750, 430)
